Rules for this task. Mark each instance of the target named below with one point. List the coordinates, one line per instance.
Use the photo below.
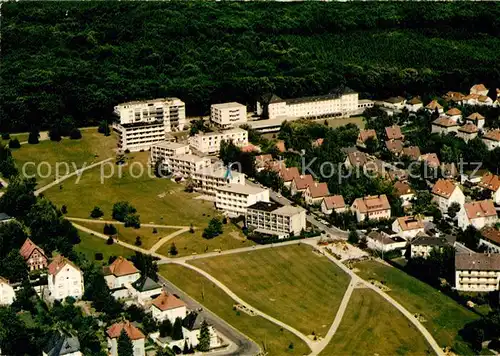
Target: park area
(270, 337)
(372, 326)
(90, 245)
(442, 316)
(291, 283)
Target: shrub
(55, 134)
(14, 143)
(75, 134)
(5, 136)
(98, 256)
(138, 241)
(121, 209)
(110, 241)
(33, 137)
(173, 250)
(96, 212)
(132, 220)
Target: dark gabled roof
(193, 321)
(4, 216)
(270, 98)
(60, 344)
(145, 284)
(422, 240)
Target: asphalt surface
(242, 344)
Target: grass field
(263, 332)
(290, 283)
(91, 148)
(372, 326)
(193, 243)
(90, 244)
(129, 234)
(357, 120)
(159, 201)
(22, 137)
(444, 317)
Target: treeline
(78, 59)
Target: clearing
(372, 326)
(443, 316)
(290, 283)
(90, 244)
(269, 336)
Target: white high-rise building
(228, 115)
(143, 123)
(234, 199)
(208, 179)
(186, 165)
(163, 150)
(209, 142)
(275, 219)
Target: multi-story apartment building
(208, 179)
(142, 123)
(65, 279)
(372, 208)
(163, 150)
(209, 142)
(234, 199)
(186, 165)
(33, 255)
(228, 115)
(275, 219)
(7, 294)
(445, 193)
(477, 272)
(336, 104)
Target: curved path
(163, 240)
(121, 223)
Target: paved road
(160, 243)
(242, 345)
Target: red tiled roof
(493, 135)
(334, 202)
(414, 101)
(475, 116)
(443, 188)
(393, 132)
(453, 112)
(58, 264)
(357, 158)
(492, 234)
(28, 247)
(133, 333)
(280, 145)
(483, 98)
(403, 188)
(167, 301)
(372, 203)
(122, 267)
(468, 128)
(431, 159)
(318, 190)
(302, 182)
(444, 121)
(412, 151)
(408, 223)
(490, 181)
(433, 105)
(366, 134)
(478, 87)
(480, 209)
(288, 174)
(395, 146)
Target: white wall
(7, 294)
(67, 283)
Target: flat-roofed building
(186, 165)
(163, 150)
(275, 219)
(477, 272)
(372, 207)
(143, 123)
(228, 115)
(234, 199)
(209, 142)
(208, 179)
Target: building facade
(33, 255)
(167, 306)
(162, 150)
(134, 334)
(372, 208)
(208, 179)
(120, 273)
(209, 142)
(234, 199)
(65, 279)
(477, 272)
(186, 165)
(408, 227)
(143, 123)
(276, 219)
(478, 214)
(7, 294)
(445, 193)
(228, 115)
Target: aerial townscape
(250, 179)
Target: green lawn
(92, 148)
(129, 234)
(372, 326)
(194, 243)
(90, 244)
(159, 201)
(357, 120)
(444, 317)
(260, 330)
(22, 137)
(291, 283)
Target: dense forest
(78, 59)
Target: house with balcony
(372, 208)
(477, 272)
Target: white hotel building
(209, 142)
(275, 219)
(338, 104)
(186, 165)
(234, 199)
(142, 123)
(210, 178)
(228, 115)
(163, 150)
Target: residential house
(355, 159)
(145, 288)
(405, 193)
(478, 214)
(300, 184)
(274, 219)
(484, 100)
(433, 105)
(192, 330)
(471, 99)
(333, 203)
(430, 159)
(364, 135)
(444, 125)
(454, 114)
(168, 306)
(449, 170)
(398, 175)
(61, 344)
(120, 273)
(382, 242)
(288, 175)
(315, 193)
(372, 208)
(263, 162)
(280, 145)
(408, 226)
(234, 199)
(490, 238)
(394, 133)
(423, 244)
(476, 119)
(454, 96)
(477, 272)
(467, 132)
(445, 193)
(394, 146)
(134, 334)
(65, 279)
(396, 103)
(7, 294)
(33, 255)
(414, 104)
(492, 139)
(412, 152)
(491, 182)
(479, 89)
